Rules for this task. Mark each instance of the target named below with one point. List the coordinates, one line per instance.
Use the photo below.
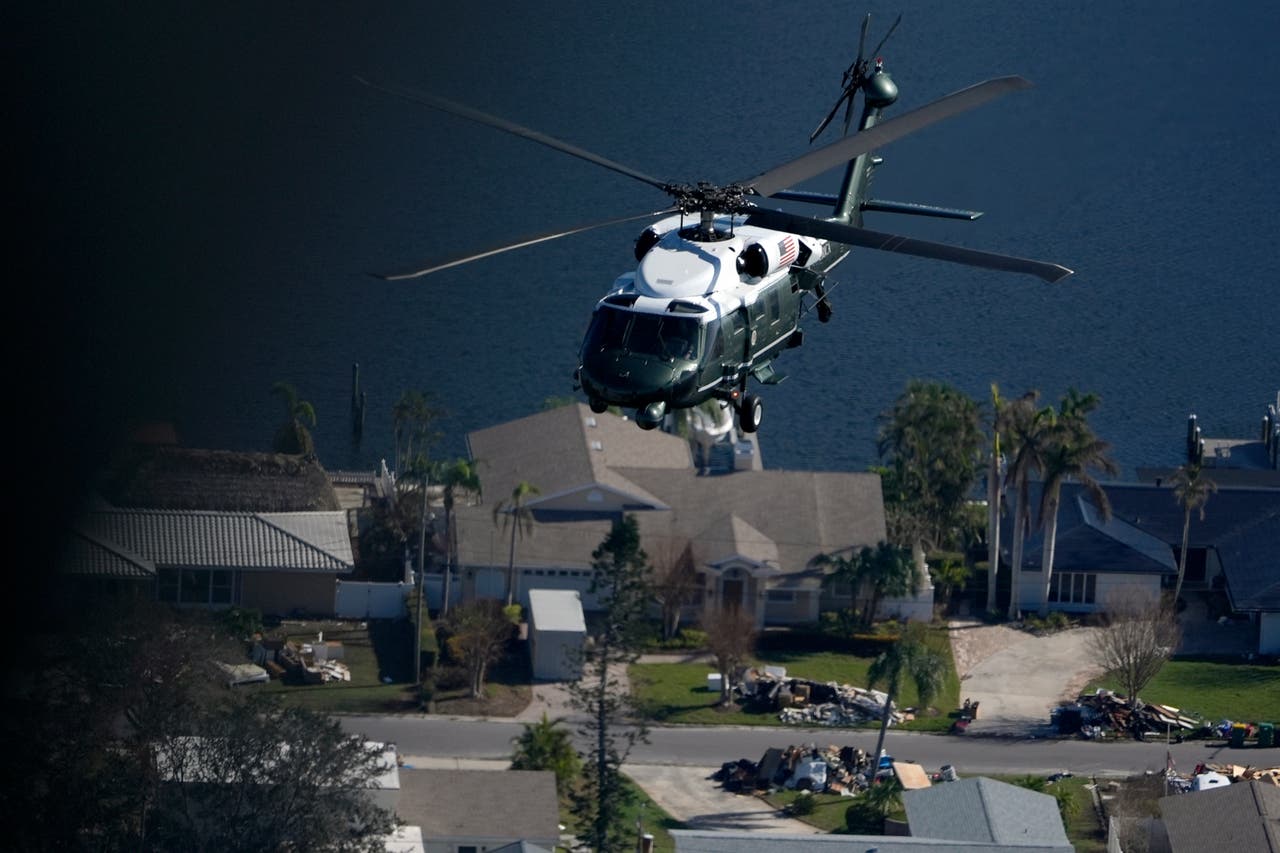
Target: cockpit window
(669, 337)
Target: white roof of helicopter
(703, 273)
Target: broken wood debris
(800, 701)
(846, 771)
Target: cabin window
(774, 305)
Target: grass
(371, 651)
(655, 821)
(1215, 689)
(677, 692)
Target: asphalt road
(444, 737)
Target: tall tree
(478, 633)
(1137, 639)
(675, 581)
(413, 420)
(888, 570)
(457, 476)
(731, 638)
(319, 777)
(546, 745)
(294, 435)
(995, 496)
(1191, 489)
(1071, 452)
(620, 581)
(1026, 430)
(911, 657)
(932, 439)
(513, 513)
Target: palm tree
(453, 476)
(995, 492)
(545, 745)
(1027, 431)
(294, 436)
(1192, 491)
(1071, 451)
(888, 570)
(513, 511)
(413, 419)
(911, 657)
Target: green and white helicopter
(723, 281)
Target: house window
(781, 595)
(194, 586)
(1073, 588)
(167, 585)
(221, 591)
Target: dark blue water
(210, 188)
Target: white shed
(557, 631)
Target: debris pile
(1094, 714)
(308, 663)
(800, 701)
(832, 769)
(1207, 776)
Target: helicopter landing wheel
(750, 413)
(598, 406)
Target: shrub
(803, 804)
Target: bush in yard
(803, 805)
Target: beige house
(755, 535)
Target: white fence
(367, 600)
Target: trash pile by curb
(800, 701)
(831, 769)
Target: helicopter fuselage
(706, 308)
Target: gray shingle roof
(241, 540)
(704, 841)
(788, 517)
(985, 811)
(501, 805)
(1242, 816)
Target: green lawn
(377, 650)
(655, 821)
(677, 692)
(1215, 689)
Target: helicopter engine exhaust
(760, 259)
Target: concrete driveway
(689, 795)
(1016, 677)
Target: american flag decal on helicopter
(787, 251)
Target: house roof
(1241, 525)
(985, 811)
(574, 457)
(744, 841)
(1085, 542)
(1241, 816)
(191, 479)
(291, 541)
(461, 804)
(91, 556)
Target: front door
(731, 595)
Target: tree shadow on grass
(392, 641)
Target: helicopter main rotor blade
(520, 244)
(844, 150)
(854, 236)
(465, 112)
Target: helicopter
(723, 283)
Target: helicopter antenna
(853, 78)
